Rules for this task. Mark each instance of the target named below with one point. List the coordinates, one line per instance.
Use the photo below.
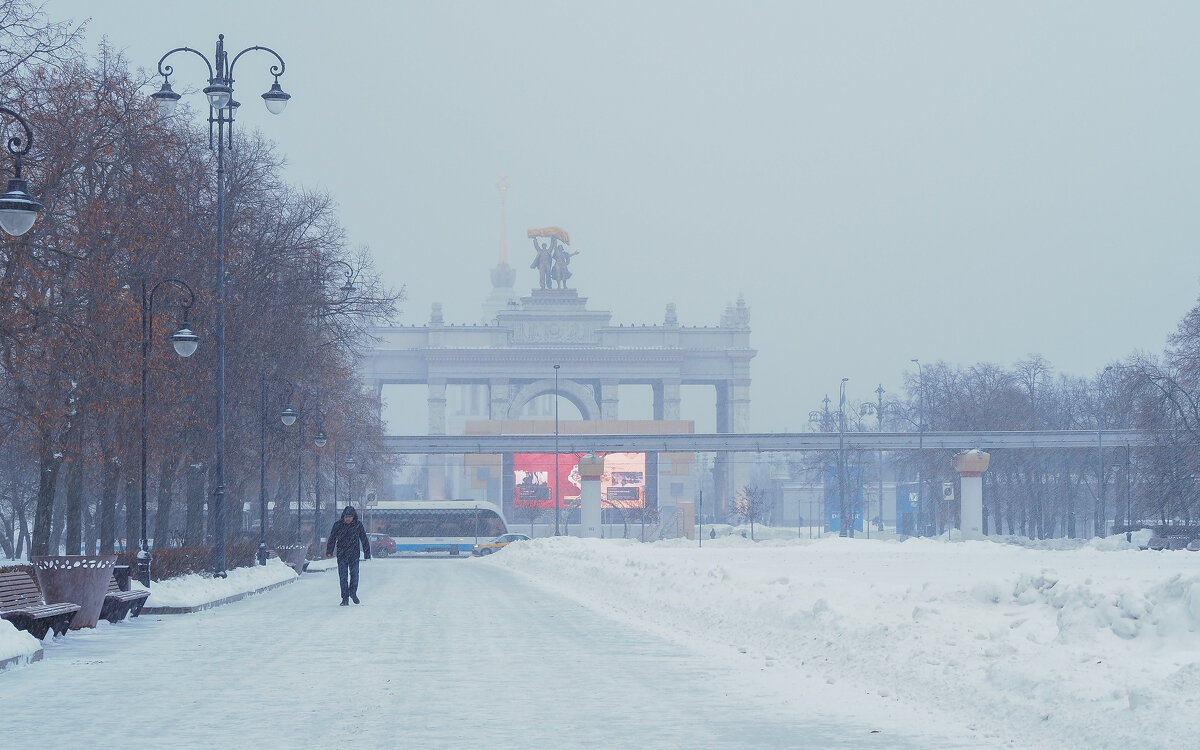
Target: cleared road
(440, 653)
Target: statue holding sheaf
(553, 260)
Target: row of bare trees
(1045, 493)
(130, 197)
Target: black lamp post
(18, 209)
(920, 438)
(221, 109)
(185, 341)
(288, 417)
(556, 502)
(1101, 525)
(319, 440)
(847, 527)
(350, 480)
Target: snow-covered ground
(184, 591)
(846, 643)
(1058, 645)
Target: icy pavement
(441, 652)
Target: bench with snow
(119, 601)
(21, 603)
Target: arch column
(666, 399)
(436, 465)
(608, 399)
(498, 398)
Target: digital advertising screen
(534, 485)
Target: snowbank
(195, 590)
(1097, 645)
(16, 643)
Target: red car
(382, 545)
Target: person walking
(346, 536)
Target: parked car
(500, 542)
(382, 545)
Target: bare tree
(751, 503)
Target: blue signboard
(854, 496)
(907, 507)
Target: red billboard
(534, 485)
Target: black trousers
(348, 576)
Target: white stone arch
(579, 395)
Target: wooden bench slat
(21, 603)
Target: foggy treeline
(130, 195)
(1045, 493)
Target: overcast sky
(949, 181)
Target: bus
(435, 526)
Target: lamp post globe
(18, 209)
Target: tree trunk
(193, 535)
(167, 473)
(133, 528)
(48, 466)
(108, 503)
(24, 540)
(74, 507)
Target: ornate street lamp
(18, 209)
(288, 417)
(184, 341)
(221, 109)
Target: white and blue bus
(435, 526)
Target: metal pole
(847, 525)
(920, 438)
(299, 475)
(700, 515)
(219, 495)
(143, 555)
(879, 419)
(556, 508)
(1101, 512)
(1128, 507)
(317, 505)
(262, 474)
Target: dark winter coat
(348, 537)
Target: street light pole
(288, 417)
(221, 109)
(1100, 525)
(920, 437)
(556, 509)
(319, 440)
(185, 342)
(847, 525)
(879, 419)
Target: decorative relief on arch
(579, 395)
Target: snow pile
(1095, 644)
(15, 642)
(195, 590)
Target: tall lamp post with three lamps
(221, 109)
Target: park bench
(21, 604)
(118, 603)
